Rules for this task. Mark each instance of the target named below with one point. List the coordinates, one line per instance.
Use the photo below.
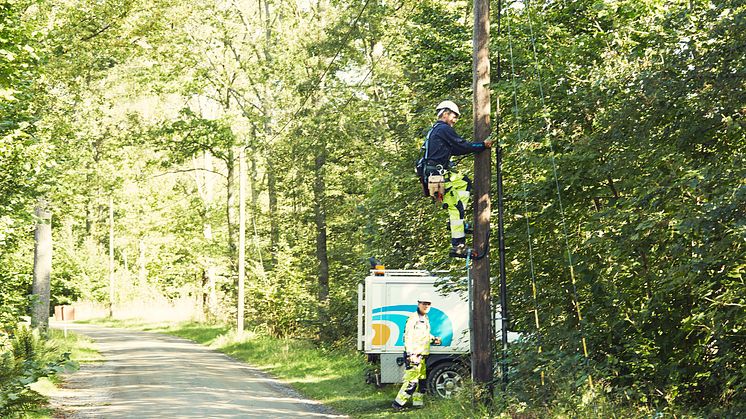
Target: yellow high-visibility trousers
(455, 200)
(413, 386)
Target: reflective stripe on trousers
(413, 386)
(456, 199)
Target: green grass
(334, 377)
(82, 348)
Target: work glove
(488, 142)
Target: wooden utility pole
(126, 263)
(241, 237)
(111, 256)
(481, 333)
(208, 196)
(42, 267)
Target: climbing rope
(576, 301)
(521, 140)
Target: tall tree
(42, 268)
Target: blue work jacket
(444, 142)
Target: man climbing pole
(417, 340)
(446, 183)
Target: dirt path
(148, 375)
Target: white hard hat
(447, 104)
(422, 298)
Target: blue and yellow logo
(386, 317)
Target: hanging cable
(520, 138)
(342, 45)
(547, 121)
(373, 65)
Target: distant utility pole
(481, 333)
(142, 276)
(42, 267)
(111, 256)
(241, 237)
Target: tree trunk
(274, 230)
(319, 191)
(111, 256)
(142, 277)
(90, 224)
(213, 304)
(241, 237)
(205, 295)
(209, 198)
(42, 268)
(125, 262)
(229, 206)
(254, 208)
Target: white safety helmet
(422, 298)
(447, 104)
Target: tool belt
(436, 186)
(433, 181)
(408, 364)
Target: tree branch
(185, 171)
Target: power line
(525, 192)
(559, 194)
(323, 75)
(372, 67)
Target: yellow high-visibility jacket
(417, 335)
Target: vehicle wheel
(446, 379)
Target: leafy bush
(25, 358)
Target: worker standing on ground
(417, 340)
(441, 143)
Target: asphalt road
(149, 375)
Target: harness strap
(427, 143)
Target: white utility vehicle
(385, 301)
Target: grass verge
(82, 348)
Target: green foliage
(81, 348)
(21, 154)
(191, 135)
(15, 283)
(279, 302)
(148, 104)
(24, 358)
(437, 61)
(652, 187)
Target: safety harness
(432, 176)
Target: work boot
(460, 250)
(396, 406)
